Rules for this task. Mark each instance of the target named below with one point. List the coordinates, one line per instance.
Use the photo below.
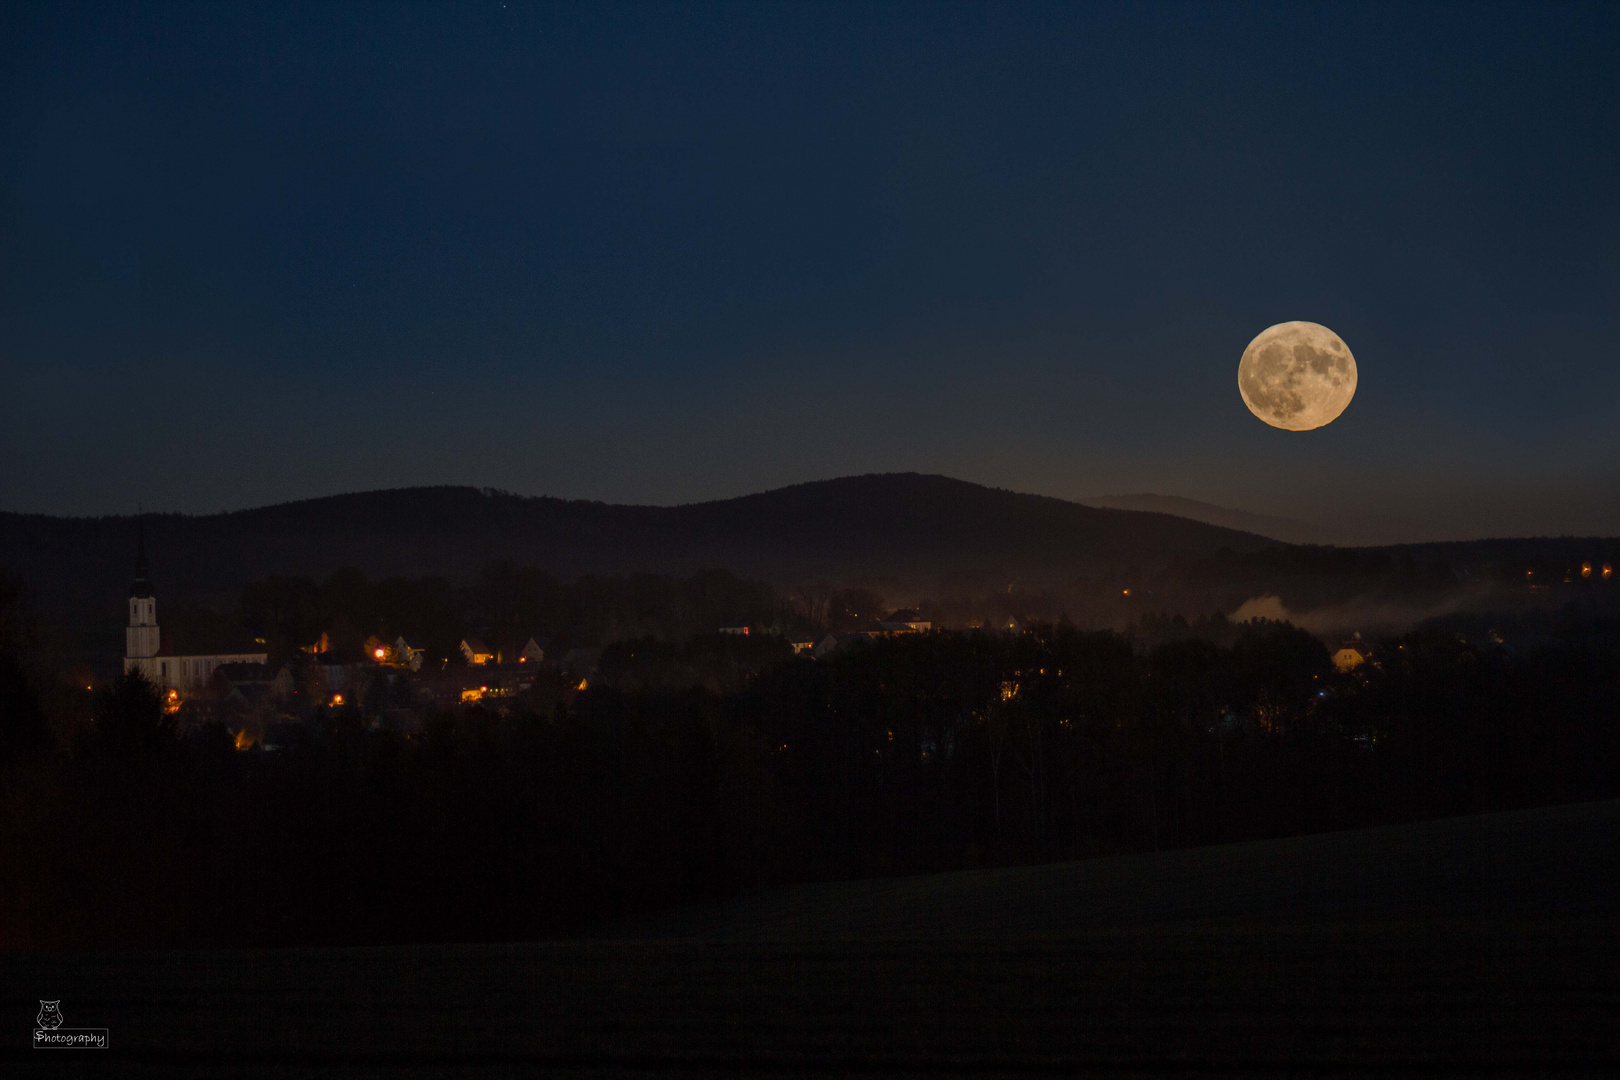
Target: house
(440, 690)
(148, 651)
(741, 631)
(283, 685)
(1351, 654)
(408, 654)
(476, 651)
(533, 650)
(826, 647)
(245, 698)
(834, 643)
(528, 649)
(244, 688)
(339, 678)
(906, 621)
(229, 676)
(801, 647)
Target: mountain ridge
(907, 528)
(1286, 530)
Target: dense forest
(659, 785)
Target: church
(146, 651)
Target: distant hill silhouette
(1287, 530)
(906, 529)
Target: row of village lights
(1606, 572)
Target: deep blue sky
(677, 252)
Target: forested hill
(907, 530)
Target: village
(395, 686)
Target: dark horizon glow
(642, 254)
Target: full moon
(1297, 376)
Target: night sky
(679, 252)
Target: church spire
(143, 585)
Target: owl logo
(50, 1014)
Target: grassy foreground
(1557, 862)
(1461, 947)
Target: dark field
(1471, 946)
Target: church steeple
(142, 639)
(142, 587)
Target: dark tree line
(922, 753)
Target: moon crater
(1297, 376)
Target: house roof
(473, 644)
(522, 645)
(251, 692)
(834, 642)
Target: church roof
(242, 673)
(204, 642)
